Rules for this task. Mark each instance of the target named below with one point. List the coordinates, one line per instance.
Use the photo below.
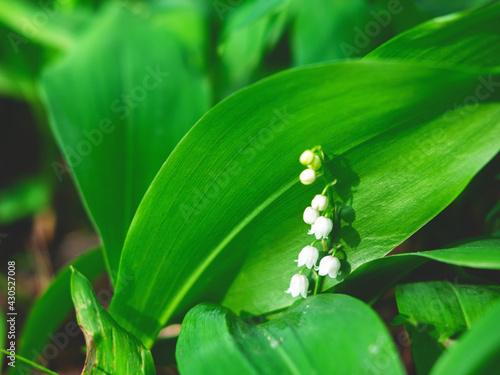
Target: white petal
(308, 176)
(320, 202)
(310, 215)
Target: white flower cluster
(315, 215)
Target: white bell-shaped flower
(310, 215)
(321, 227)
(308, 176)
(320, 202)
(298, 286)
(308, 256)
(329, 265)
(307, 157)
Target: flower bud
(320, 202)
(298, 285)
(329, 265)
(308, 176)
(321, 227)
(308, 257)
(310, 215)
(316, 163)
(307, 157)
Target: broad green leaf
(324, 334)
(468, 39)
(231, 189)
(372, 279)
(110, 349)
(337, 29)
(137, 97)
(23, 199)
(476, 351)
(53, 306)
(438, 310)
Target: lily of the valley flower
(321, 227)
(310, 215)
(298, 286)
(308, 256)
(307, 157)
(308, 176)
(320, 202)
(329, 265)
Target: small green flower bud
(316, 163)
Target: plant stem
(316, 284)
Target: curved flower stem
(328, 186)
(318, 281)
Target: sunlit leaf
(324, 334)
(231, 187)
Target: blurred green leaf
(137, 97)
(175, 15)
(372, 279)
(438, 310)
(45, 22)
(23, 199)
(33, 34)
(336, 29)
(110, 349)
(52, 307)
(251, 28)
(20, 63)
(476, 351)
(249, 12)
(231, 189)
(323, 334)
